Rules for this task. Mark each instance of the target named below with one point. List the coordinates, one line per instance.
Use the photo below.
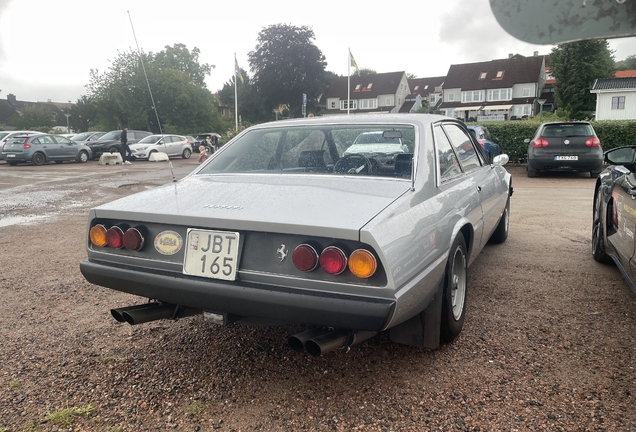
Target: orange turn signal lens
(97, 235)
(362, 263)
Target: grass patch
(3, 429)
(13, 384)
(67, 416)
(196, 407)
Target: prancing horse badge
(282, 252)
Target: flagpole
(235, 94)
(348, 81)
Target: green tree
(83, 114)
(575, 66)
(286, 63)
(122, 98)
(628, 64)
(365, 71)
(178, 57)
(33, 117)
(251, 106)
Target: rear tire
(501, 232)
(186, 154)
(455, 289)
(38, 159)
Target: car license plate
(211, 254)
(10, 155)
(566, 158)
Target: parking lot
(548, 344)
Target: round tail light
(305, 257)
(362, 263)
(133, 239)
(115, 237)
(97, 235)
(333, 260)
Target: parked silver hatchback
(43, 148)
(172, 145)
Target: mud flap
(423, 330)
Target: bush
(511, 134)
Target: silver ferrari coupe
(286, 224)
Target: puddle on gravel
(136, 187)
(21, 220)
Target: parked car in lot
(110, 142)
(320, 238)
(614, 214)
(86, 137)
(490, 145)
(42, 148)
(380, 147)
(172, 145)
(565, 146)
(192, 141)
(7, 135)
(201, 141)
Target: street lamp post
(68, 127)
(541, 102)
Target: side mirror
(501, 159)
(621, 156)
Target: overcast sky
(47, 48)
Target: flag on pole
(238, 70)
(353, 63)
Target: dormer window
(483, 75)
(500, 74)
(426, 86)
(369, 86)
(416, 87)
(357, 89)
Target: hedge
(511, 135)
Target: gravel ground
(548, 344)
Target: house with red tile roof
(501, 89)
(424, 92)
(377, 93)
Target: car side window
(62, 140)
(461, 142)
(446, 158)
(47, 140)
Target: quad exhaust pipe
(320, 341)
(144, 313)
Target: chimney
(510, 55)
(536, 53)
(11, 98)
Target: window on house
(500, 74)
(357, 88)
(432, 98)
(483, 75)
(353, 104)
(473, 96)
(526, 91)
(367, 103)
(618, 102)
(450, 97)
(416, 87)
(333, 105)
(426, 86)
(369, 86)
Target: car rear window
(567, 130)
(316, 149)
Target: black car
(201, 141)
(614, 212)
(565, 145)
(110, 143)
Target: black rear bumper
(246, 300)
